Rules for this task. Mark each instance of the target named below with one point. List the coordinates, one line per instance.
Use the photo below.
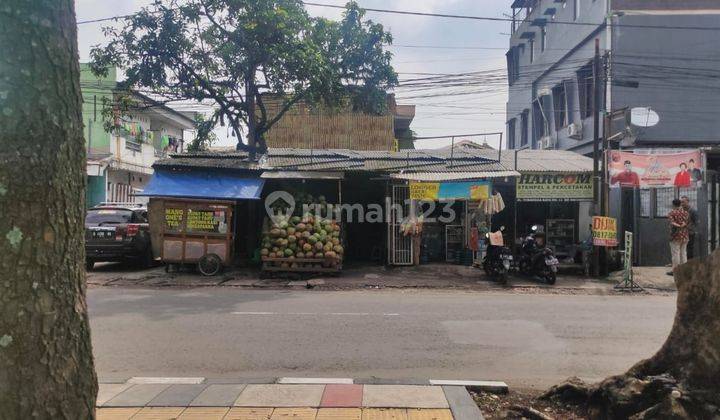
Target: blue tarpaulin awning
(203, 184)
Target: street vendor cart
(198, 232)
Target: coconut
(292, 239)
(319, 255)
(339, 249)
(307, 247)
(312, 240)
(291, 231)
(275, 232)
(300, 255)
(264, 252)
(272, 255)
(319, 246)
(328, 247)
(288, 252)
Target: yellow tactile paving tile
(204, 413)
(429, 414)
(294, 413)
(243, 413)
(158, 413)
(115, 413)
(384, 414)
(339, 414)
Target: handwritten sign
(201, 220)
(424, 191)
(173, 218)
(604, 231)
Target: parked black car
(117, 232)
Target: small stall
(302, 233)
(194, 232)
(194, 215)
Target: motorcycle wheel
(502, 278)
(550, 278)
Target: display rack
(454, 242)
(560, 234)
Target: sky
(459, 42)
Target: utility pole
(598, 194)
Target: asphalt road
(525, 340)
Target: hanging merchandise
(492, 205)
(165, 140)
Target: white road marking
(316, 313)
(346, 381)
(165, 380)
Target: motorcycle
(498, 260)
(537, 259)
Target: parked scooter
(498, 258)
(537, 259)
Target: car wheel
(148, 259)
(89, 265)
(209, 265)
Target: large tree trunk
(46, 364)
(683, 378)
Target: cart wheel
(210, 265)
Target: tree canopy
(233, 54)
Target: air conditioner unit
(575, 131)
(546, 142)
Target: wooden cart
(189, 231)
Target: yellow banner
(425, 191)
(480, 192)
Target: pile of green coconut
(296, 239)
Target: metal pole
(596, 148)
(500, 149)
(452, 151)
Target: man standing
(692, 225)
(678, 219)
(695, 173)
(626, 178)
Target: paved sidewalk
(297, 398)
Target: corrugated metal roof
(453, 176)
(460, 160)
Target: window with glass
(559, 106)
(524, 127)
(511, 133)
(585, 90)
(663, 201)
(645, 203)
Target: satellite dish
(644, 117)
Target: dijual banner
(575, 186)
(446, 191)
(604, 231)
(628, 169)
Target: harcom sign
(567, 186)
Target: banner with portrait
(684, 170)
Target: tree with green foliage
(236, 53)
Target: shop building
(377, 186)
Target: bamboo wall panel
(312, 129)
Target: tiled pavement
(138, 399)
